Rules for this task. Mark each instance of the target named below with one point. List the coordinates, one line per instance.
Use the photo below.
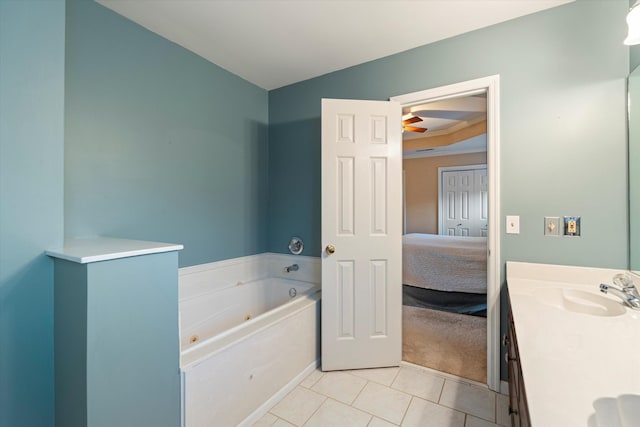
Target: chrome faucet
(293, 267)
(624, 288)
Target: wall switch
(571, 225)
(513, 224)
(551, 226)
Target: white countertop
(578, 369)
(105, 248)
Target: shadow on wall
(295, 184)
(26, 331)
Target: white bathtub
(244, 345)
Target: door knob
(330, 249)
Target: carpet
(448, 342)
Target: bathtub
(244, 346)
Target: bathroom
(121, 146)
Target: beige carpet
(447, 342)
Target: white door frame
(449, 169)
(490, 85)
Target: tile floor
(406, 396)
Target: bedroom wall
(421, 191)
(160, 144)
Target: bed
(445, 272)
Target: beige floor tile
(419, 383)
(298, 406)
(469, 399)
(312, 378)
(478, 422)
(266, 420)
(282, 423)
(377, 422)
(336, 414)
(341, 386)
(383, 402)
(382, 376)
(502, 410)
(422, 413)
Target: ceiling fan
(406, 125)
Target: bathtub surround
(32, 48)
(236, 358)
(116, 334)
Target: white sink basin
(579, 301)
(623, 411)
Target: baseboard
(264, 408)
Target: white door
(361, 234)
(463, 202)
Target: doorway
(486, 88)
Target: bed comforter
(445, 263)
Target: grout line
(445, 375)
(358, 395)
(406, 411)
(317, 409)
(441, 392)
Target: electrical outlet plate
(572, 226)
(551, 226)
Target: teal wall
(70, 338)
(133, 349)
(31, 208)
(563, 132)
(117, 358)
(160, 144)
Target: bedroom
(445, 229)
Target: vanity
(573, 351)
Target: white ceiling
(446, 116)
(273, 43)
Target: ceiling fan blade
(410, 120)
(414, 129)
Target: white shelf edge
(84, 251)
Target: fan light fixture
(633, 21)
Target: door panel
(465, 202)
(362, 219)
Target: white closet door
(463, 202)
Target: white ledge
(97, 249)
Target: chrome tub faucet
(624, 288)
(293, 267)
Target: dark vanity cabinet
(517, 398)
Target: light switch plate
(551, 225)
(513, 224)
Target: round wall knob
(330, 249)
